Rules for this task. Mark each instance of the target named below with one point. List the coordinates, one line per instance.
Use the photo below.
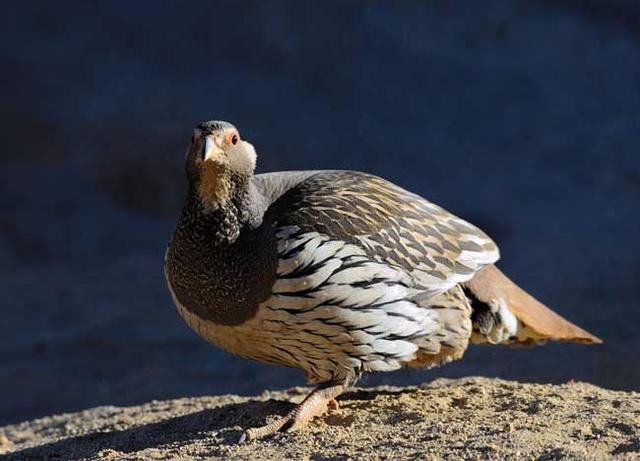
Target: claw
(315, 404)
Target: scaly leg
(315, 404)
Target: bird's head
(217, 161)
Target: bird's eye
(234, 139)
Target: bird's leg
(315, 404)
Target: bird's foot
(315, 404)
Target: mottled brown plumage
(390, 223)
(337, 273)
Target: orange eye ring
(233, 139)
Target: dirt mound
(472, 418)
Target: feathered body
(336, 272)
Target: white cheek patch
(250, 154)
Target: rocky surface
(470, 418)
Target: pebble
(108, 453)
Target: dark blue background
(522, 117)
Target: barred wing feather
(391, 225)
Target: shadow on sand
(222, 424)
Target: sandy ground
(470, 418)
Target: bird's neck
(221, 222)
(220, 263)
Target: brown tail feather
(540, 322)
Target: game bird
(337, 273)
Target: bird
(335, 272)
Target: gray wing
(391, 224)
(269, 187)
